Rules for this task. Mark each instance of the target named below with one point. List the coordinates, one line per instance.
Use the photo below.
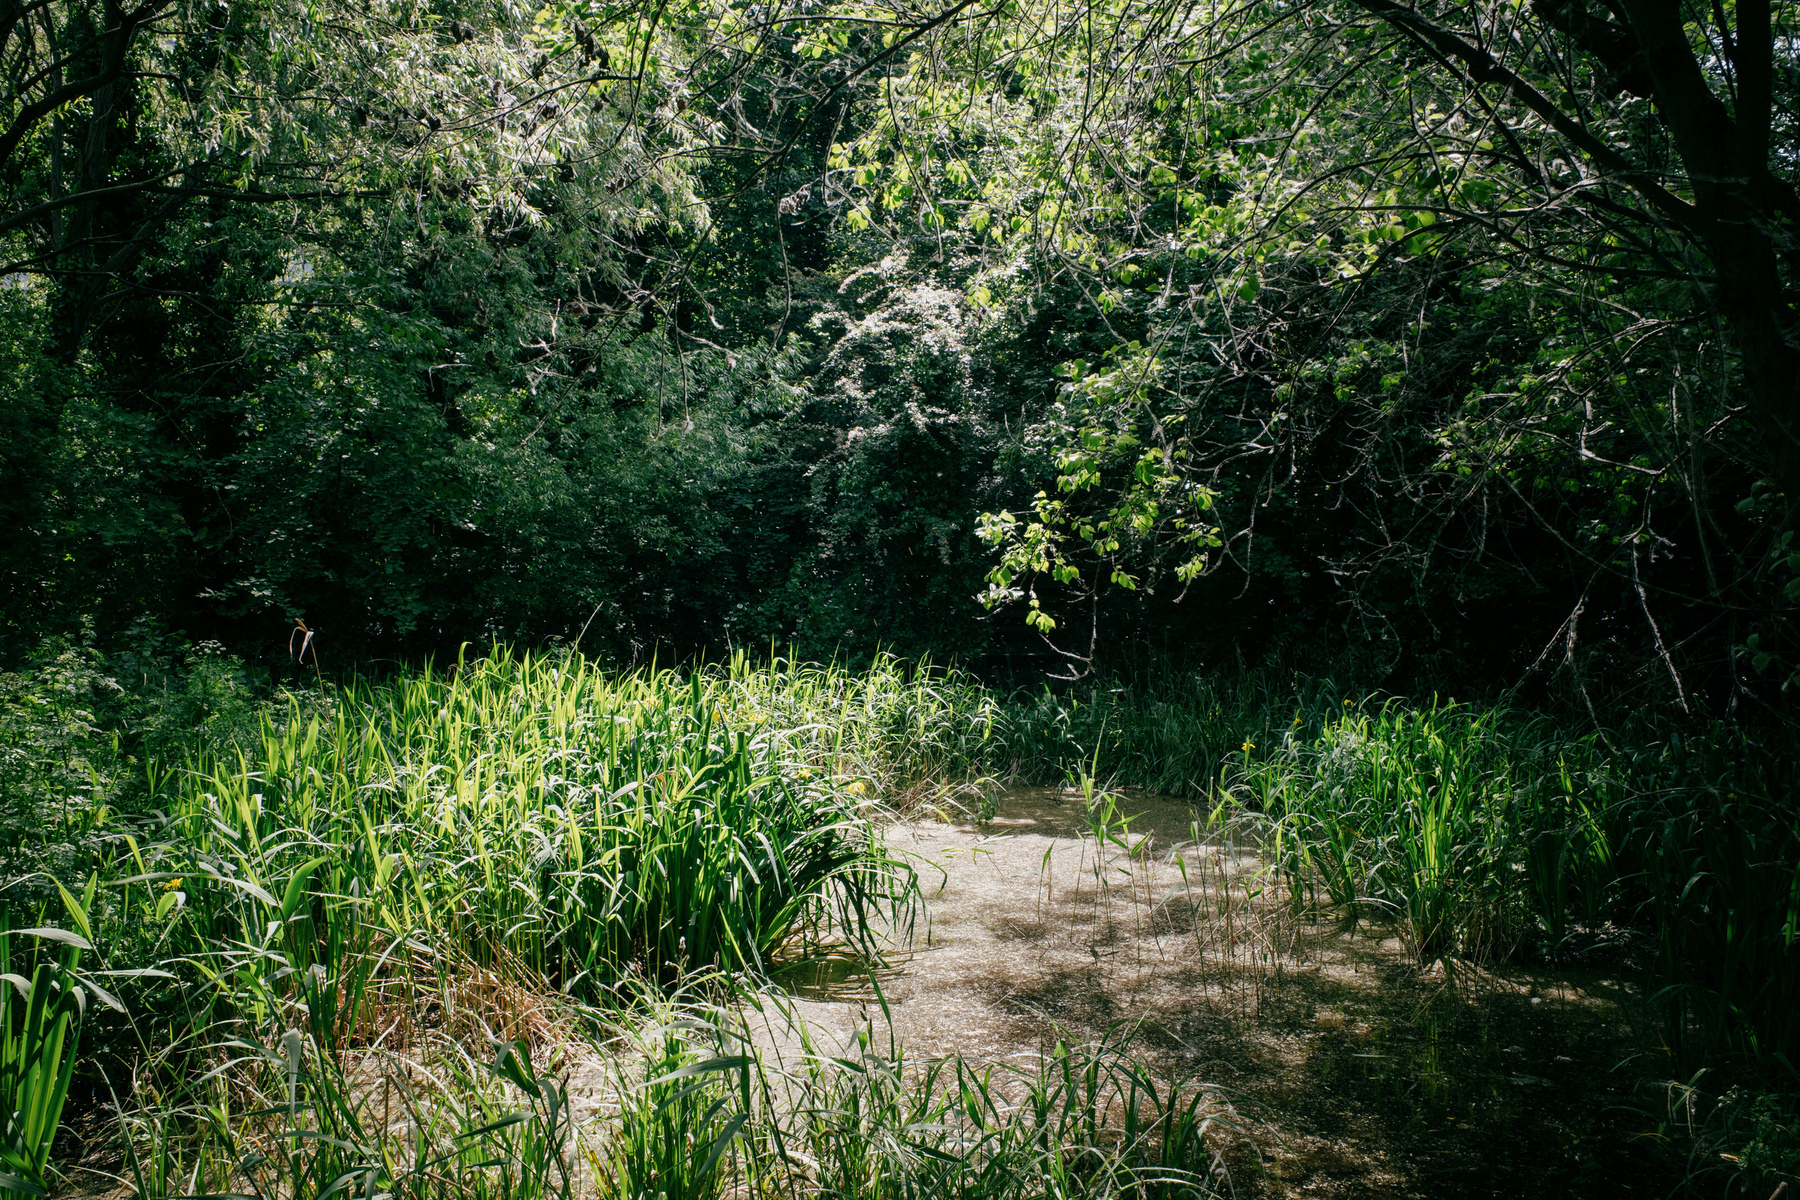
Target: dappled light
(959, 600)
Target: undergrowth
(411, 892)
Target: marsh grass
(290, 1118)
(1711, 852)
(1081, 1119)
(512, 853)
(355, 933)
(1084, 1120)
(40, 1025)
(542, 812)
(1412, 812)
(1483, 832)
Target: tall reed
(577, 822)
(325, 891)
(1711, 858)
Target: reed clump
(1485, 833)
(579, 824)
(706, 1109)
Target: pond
(1352, 1072)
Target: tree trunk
(1736, 211)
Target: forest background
(1438, 347)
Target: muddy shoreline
(1352, 1072)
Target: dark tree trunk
(1736, 206)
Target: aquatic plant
(580, 823)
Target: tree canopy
(1459, 340)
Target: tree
(1234, 188)
(206, 202)
(1714, 165)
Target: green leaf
(52, 934)
(77, 912)
(296, 888)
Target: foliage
(856, 510)
(288, 1119)
(427, 330)
(382, 852)
(1317, 334)
(286, 237)
(1095, 434)
(1354, 276)
(1715, 853)
(59, 766)
(678, 1124)
(1483, 831)
(391, 875)
(530, 810)
(1760, 1133)
(1083, 1121)
(1458, 823)
(40, 1027)
(716, 1108)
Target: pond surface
(1354, 1072)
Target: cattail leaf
(52, 934)
(101, 994)
(245, 886)
(296, 888)
(727, 1062)
(77, 912)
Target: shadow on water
(1498, 1085)
(1359, 1073)
(836, 978)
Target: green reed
(1171, 735)
(39, 1027)
(1085, 1120)
(289, 1119)
(1470, 828)
(708, 1109)
(321, 891)
(1710, 853)
(577, 822)
(1479, 830)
